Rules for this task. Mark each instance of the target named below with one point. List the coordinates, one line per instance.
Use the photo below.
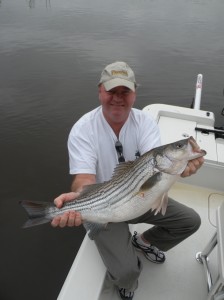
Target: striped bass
(135, 187)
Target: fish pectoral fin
(149, 183)
(94, 228)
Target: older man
(116, 132)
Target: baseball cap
(118, 74)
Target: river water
(51, 56)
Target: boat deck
(181, 276)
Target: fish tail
(37, 212)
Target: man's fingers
(70, 218)
(78, 219)
(60, 200)
(193, 166)
(64, 220)
(55, 222)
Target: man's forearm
(81, 180)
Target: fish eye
(179, 146)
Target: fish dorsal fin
(122, 168)
(90, 188)
(150, 182)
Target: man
(110, 134)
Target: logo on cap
(120, 72)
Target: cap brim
(110, 84)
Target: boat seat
(216, 288)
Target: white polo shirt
(91, 142)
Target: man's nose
(117, 96)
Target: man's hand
(71, 218)
(192, 166)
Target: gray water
(51, 55)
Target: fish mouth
(195, 148)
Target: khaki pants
(118, 254)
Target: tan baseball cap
(118, 74)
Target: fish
(134, 188)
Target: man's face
(116, 103)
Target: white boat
(182, 276)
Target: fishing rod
(198, 90)
(196, 101)
(196, 104)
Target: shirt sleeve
(81, 149)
